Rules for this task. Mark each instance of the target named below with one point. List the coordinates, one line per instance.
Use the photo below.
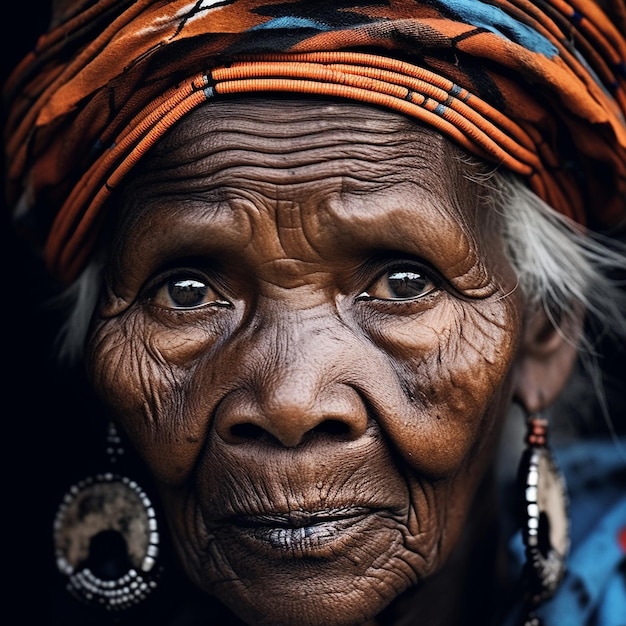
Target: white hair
(561, 266)
(80, 300)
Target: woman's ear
(546, 360)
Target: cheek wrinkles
(450, 361)
(133, 367)
(480, 351)
(127, 367)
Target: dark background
(40, 402)
(53, 428)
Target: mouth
(301, 534)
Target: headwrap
(534, 86)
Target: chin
(307, 600)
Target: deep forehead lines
(256, 146)
(292, 134)
(287, 118)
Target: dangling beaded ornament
(106, 538)
(545, 528)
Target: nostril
(336, 428)
(247, 431)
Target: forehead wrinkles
(281, 119)
(256, 149)
(259, 144)
(221, 139)
(252, 153)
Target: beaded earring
(545, 521)
(106, 538)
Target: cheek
(454, 366)
(143, 376)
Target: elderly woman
(316, 253)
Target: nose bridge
(299, 363)
(300, 382)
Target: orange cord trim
(385, 80)
(134, 145)
(124, 142)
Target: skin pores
(308, 331)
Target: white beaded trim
(132, 587)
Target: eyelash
(371, 275)
(183, 273)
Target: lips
(299, 534)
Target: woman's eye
(186, 293)
(400, 284)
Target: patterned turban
(537, 87)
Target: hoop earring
(106, 538)
(545, 519)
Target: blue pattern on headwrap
(291, 22)
(498, 22)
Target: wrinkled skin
(310, 333)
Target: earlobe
(546, 360)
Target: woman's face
(308, 331)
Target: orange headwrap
(538, 87)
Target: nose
(299, 383)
